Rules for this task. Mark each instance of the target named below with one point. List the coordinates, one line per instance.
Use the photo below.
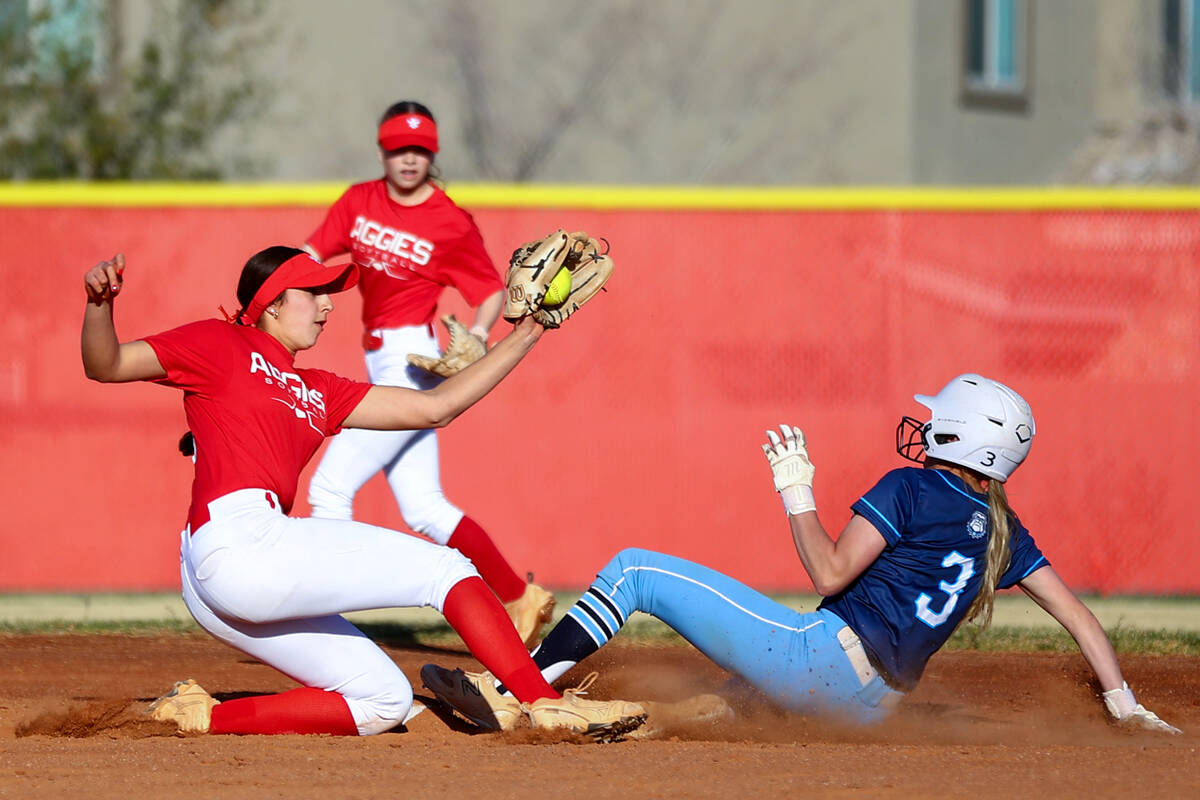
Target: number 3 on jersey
(966, 570)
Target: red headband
(408, 130)
(298, 272)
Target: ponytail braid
(998, 554)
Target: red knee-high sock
(474, 543)
(475, 614)
(301, 710)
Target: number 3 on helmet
(975, 422)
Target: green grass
(153, 627)
(643, 630)
(1056, 640)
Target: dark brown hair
(259, 268)
(406, 107)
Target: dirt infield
(980, 725)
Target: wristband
(798, 499)
(480, 333)
(1120, 702)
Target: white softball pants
(273, 586)
(408, 459)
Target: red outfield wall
(640, 422)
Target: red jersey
(406, 254)
(257, 419)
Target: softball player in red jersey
(410, 242)
(271, 585)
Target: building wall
(958, 142)
(760, 92)
(622, 91)
(1128, 70)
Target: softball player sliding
(273, 586)
(924, 550)
(411, 242)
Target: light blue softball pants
(795, 659)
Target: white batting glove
(1127, 711)
(792, 470)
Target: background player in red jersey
(274, 586)
(410, 242)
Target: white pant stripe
(717, 593)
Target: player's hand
(528, 326)
(793, 472)
(788, 458)
(480, 333)
(103, 281)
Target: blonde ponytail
(998, 554)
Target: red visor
(299, 272)
(408, 130)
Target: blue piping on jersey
(960, 491)
(1036, 564)
(718, 594)
(867, 503)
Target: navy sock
(588, 625)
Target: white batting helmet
(976, 422)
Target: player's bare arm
(397, 408)
(486, 315)
(1047, 589)
(105, 357)
(832, 565)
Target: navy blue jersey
(908, 602)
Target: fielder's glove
(1128, 712)
(534, 264)
(463, 349)
(792, 470)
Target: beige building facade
(710, 92)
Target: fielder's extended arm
(396, 408)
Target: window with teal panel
(995, 52)
(1181, 49)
